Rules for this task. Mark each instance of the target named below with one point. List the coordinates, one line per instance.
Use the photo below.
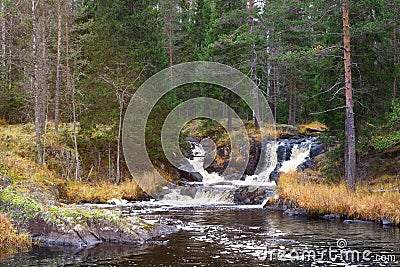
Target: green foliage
(394, 115)
(387, 141)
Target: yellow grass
(318, 197)
(101, 192)
(316, 125)
(10, 239)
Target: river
(217, 231)
(233, 236)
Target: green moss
(148, 226)
(18, 205)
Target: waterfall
(282, 156)
(299, 154)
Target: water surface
(234, 236)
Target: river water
(216, 232)
(233, 236)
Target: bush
(394, 116)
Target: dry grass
(101, 192)
(315, 126)
(320, 198)
(10, 240)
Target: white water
(300, 153)
(215, 190)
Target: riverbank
(38, 199)
(379, 201)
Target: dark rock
(192, 139)
(189, 191)
(274, 176)
(356, 221)
(305, 165)
(281, 153)
(280, 205)
(316, 149)
(251, 195)
(298, 212)
(4, 181)
(386, 221)
(331, 217)
(191, 176)
(89, 231)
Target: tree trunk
(57, 92)
(292, 101)
(36, 88)
(229, 114)
(350, 151)
(10, 62)
(256, 112)
(170, 44)
(71, 86)
(3, 36)
(121, 110)
(395, 63)
(43, 117)
(275, 89)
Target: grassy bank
(11, 241)
(371, 201)
(18, 163)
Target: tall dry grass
(101, 192)
(10, 240)
(321, 198)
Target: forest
(69, 69)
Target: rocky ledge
(74, 225)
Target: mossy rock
(285, 131)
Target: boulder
(316, 149)
(4, 181)
(190, 176)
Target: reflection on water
(235, 236)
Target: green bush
(394, 116)
(387, 141)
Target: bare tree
(121, 88)
(350, 149)
(395, 62)
(36, 88)
(44, 85)
(256, 113)
(292, 100)
(71, 87)
(57, 91)
(3, 34)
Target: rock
(287, 131)
(77, 226)
(189, 191)
(316, 149)
(296, 212)
(4, 181)
(118, 202)
(356, 221)
(190, 176)
(252, 195)
(386, 221)
(305, 165)
(331, 217)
